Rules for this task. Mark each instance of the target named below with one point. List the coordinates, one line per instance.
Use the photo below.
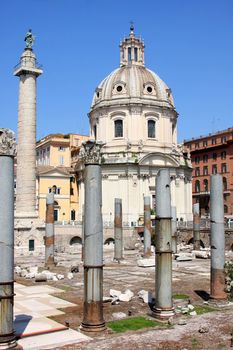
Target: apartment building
(212, 154)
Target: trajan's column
(27, 222)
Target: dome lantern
(132, 50)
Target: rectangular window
(205, 158)
(197, 160)
(214, 156)
(61, 160)
(205, 143)
(31, 245)
(197, 172)
(223, 155)
(71, 191)
(205, 170)
(214, 169)
(196, 145)
(118, 128)
(129, 54)
(223, 139)
(213, 141)
(61, 148)
(135, 54)
(224, 168)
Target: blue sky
(189, 44)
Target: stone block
(60, 277)
(17, 270)
(40, 277)
(150, 262)
(114, 293)
(145, 296)
(119, 315)
(126, 296)
(70, 275)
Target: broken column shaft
(163, 297)
(118, 247)
(93, 320)
(147, 227)
(7, 153)
(196, 227)
(49, 231)
(174, 230)
(217, 238)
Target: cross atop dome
(132, 50)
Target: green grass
(202, 309)
(194, 342)
(180, 296)
(132, 324)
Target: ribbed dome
(132, 82)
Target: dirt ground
(189, 277)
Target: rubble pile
(43, 276)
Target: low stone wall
(68, 238)
(186, 235)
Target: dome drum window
(119, 88)
(149, 89)
(151, 129)
(118, 128)
(98, 93)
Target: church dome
(132, 82)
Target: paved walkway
(32, 306)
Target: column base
(147, 254)
(117, 260)
(163, 314)
(217, 285)
(10, 345)
(92, 328)
(93, 319)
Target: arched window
(118, 124)
(151, 128)
(197, 186)
(206, 187)
(225, 209)
(224, 180)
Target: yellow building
(55, 173)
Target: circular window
(149, 89)
(119, 88)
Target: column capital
(7, 142)
(91, 152)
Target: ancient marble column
(118, 236)
(217, 239)
(49, 231)
(147, 227)
(7, 154)
(196, 227)
(27, 71)
(163, 308)
(93, 319)
(174, 230)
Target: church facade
(134, 115)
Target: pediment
(55, 172)
(159, 159)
